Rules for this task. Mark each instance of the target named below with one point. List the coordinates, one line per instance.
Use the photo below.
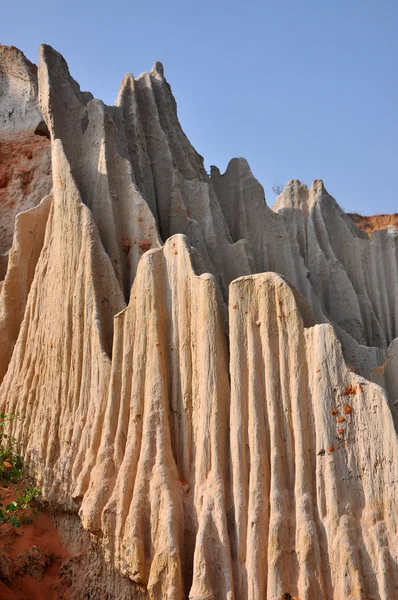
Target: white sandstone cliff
(178, 350)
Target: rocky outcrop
(19, 109)
(178, 351)
(346, 268)
(374, 222)
(25, 167)
(30, 227)
(312, 506)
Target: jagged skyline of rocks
(200, 373)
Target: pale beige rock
(29, 233)
(314, 509)
(68, 319)
(206, 460)
(354, 276)
(19, 110)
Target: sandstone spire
(179, 352)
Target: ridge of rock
(178, 350)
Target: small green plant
(27, 498)
(11, 464)
(11, 513)
(11, 471)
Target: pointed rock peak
(214, 171)
(54, 60)
(318, 187)
(330, 208)
(239, 164)
(297, 190)
(14, 61)
(294, 187)
(57, 70)
(157, 69)
(59, 93)
(126, 87)
(295, 195)
(319, 194)
(128, 81)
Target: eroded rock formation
(25, 164)
(179, 352)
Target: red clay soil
(16, 154)
(31, 557)
(25, 178)
(374, 222)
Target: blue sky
(301, 89)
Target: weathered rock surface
(25, 166)
(374, 222)
(209, 460)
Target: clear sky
(302, 89)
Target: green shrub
(11, 464)
(11, 513)
(11, 471)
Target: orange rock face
(25, 177)
(374, 222)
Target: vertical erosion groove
(203, 467)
